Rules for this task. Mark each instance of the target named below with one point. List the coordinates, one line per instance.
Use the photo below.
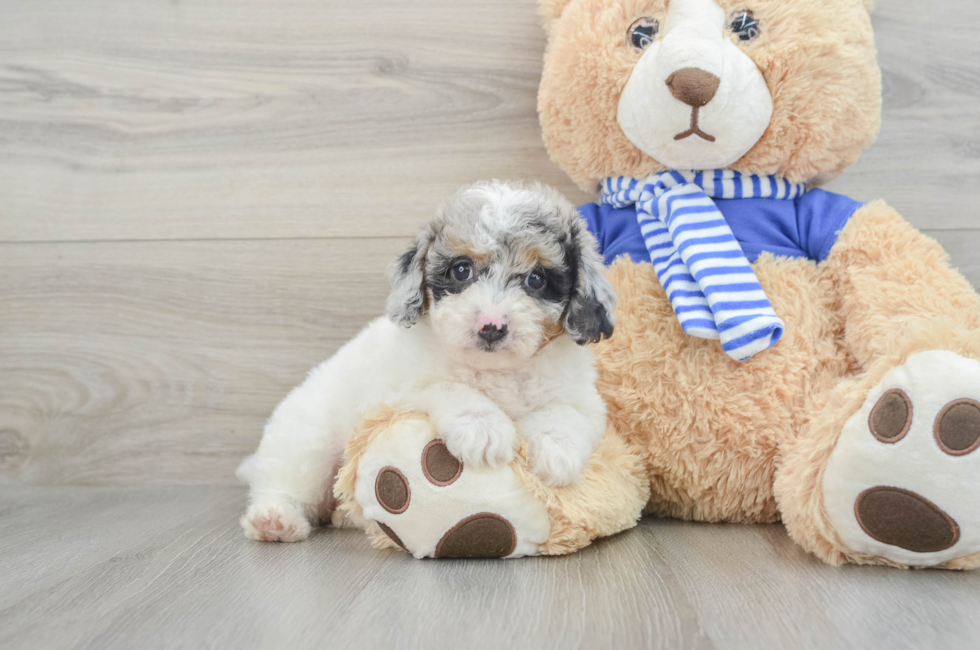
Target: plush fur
(789, 434)
(488, 313)
(818, 59)
(752, 441)
(607, 500)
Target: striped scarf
(713, 290)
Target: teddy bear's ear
(551, 10)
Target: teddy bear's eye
(642, 32)
(744, 25)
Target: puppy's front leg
(560, 440)
(474, 429)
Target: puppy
(485, 327)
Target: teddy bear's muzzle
(693, 86)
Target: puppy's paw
(275, 522)
(480, 437)
(554, 463)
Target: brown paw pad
(905, 519)
(440, 466)
(891, 417)
(482, 535)
(391, 535)
(392, 491)
(957, 427)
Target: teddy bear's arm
(892, 279)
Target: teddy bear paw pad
(432, 505)
(901, 482)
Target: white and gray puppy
(474, 336)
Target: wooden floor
(109, 568)
(197, 201)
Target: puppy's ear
(406, 302)
(589, 316)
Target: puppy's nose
(693, 86)
(492, 333)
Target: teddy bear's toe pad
(902, 481)
(481, 535)
(905, 519)
(432, 505)
(958, 427)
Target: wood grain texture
(254, 119)
(197, 202)
(926, 161)
(158, 362)
(169, 568)
(224, 118)
(155, 363)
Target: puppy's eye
(462, 271)
(744, 25)
(642, 32)
(534, 281)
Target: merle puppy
(486, 322)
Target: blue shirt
(806, 227)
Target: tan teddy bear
(854, 417)
(781, 352)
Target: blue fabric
(700, 264)
(806, 227)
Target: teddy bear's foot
(431, 504)
(903, 481)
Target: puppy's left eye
(744, 25)
(462, 271)
(534, 281)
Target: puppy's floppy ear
(589, 316)
(406, 302)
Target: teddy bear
(781, 353)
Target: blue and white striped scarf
(713, 290)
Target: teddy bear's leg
(401, 477)
(403, 484)
(885, 470)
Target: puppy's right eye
(535, 281)
(462, 271)
(642, 32)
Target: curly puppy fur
(476, 337)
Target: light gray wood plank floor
(197, 202)
(167, 567)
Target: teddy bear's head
(634, 87)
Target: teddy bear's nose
(693, 86)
